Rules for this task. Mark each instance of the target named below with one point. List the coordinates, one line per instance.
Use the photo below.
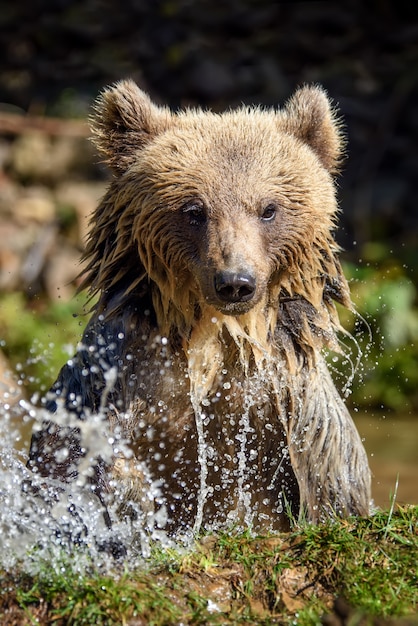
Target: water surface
(392, 446)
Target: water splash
(203, 463)
(70, 515)
(353, 353)
(40, 518)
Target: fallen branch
(13, 124)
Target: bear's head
(228, 211)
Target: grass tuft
(355, 571)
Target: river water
(392, 445)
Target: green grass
(368, 564)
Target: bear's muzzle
(232, 287)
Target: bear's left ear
(308, 115)
(124, 120)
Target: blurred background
(58, 54)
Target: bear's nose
(234, 287)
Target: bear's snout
(232, 287)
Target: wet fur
(193, 373)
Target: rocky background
(57, 54)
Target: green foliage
(387, 332)
(38, 342)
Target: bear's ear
(308, 115)
(124, 120)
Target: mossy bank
(356, 571)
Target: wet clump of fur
(216, 270)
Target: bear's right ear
(124, 120)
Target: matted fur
(227, 404)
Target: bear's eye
(195, 213)
(268, 213)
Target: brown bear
(215, 267)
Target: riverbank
(356, 571)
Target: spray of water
(44, 516)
